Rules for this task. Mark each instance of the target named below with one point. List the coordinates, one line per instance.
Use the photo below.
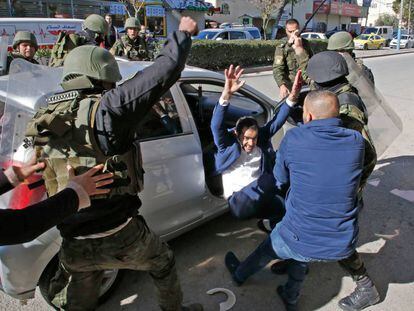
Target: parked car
(329, 33)
(406, 41)
(313, 35)
(368, 42)
(180, 192)
(385, 32)
(225, 34)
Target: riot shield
(384, 124)
(4, 40)
(27, 88)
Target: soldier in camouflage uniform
(25, 47)
(94, 121)
(342, 42)
(133, 45)
(94, 30)
(291, 54)
(328, 71)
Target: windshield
(363, 37)
(203, 35)
(371, 30)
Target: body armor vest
(63, 133)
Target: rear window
(363, 37)
(255, 33)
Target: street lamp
(400, 25)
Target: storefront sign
(324, 8)
(335, 9)
(352, 10)
(117, 9)
(154, 10)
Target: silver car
(180, 191)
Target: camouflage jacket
(13, 55)
(286, 63)
(133, 49)
(353, 117)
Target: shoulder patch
(279, 59)
(62, 97)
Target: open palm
(233, 82)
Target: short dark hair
(249, 122)
(291, 21)
(108, 14)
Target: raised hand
(233, 82)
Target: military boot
(365, 295)
(193, 307)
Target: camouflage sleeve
(370, 158)
(279, 67)
(117, 49)
(302, 60)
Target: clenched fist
(189, 25)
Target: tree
(387, 20)
(269, 9)
(133, 7)
(407, 15)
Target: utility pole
(400, 25)
(10, 8)
(72, 8)
(409, 18)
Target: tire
(365, 46)
(110, 283)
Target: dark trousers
(263, 254)
(259, 199)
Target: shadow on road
(386, 236)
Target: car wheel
(365, 46)
(380, 46)
(111, 280)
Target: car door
(237, 35)
(223, 36)
(172, 159)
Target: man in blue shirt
(322, 161)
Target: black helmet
(327, 66)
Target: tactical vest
(133, 51)
(64, 44)
(63, 133)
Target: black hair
(292, 21)
(249, 122)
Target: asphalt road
(386, 237)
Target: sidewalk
(358, 53)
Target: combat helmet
(24, 36)
(327, 66)
(341, 41)
(96, 23)
(87, 63)
(132, 22)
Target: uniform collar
(323, 122)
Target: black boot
(288, 305)
(365, 295)
(192, 307)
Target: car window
(206, 35)
(224, 35)
(313, 36)
(162, 120)
(384, 30)
(378, 37)
(363, 37)
(235, 35)
(255, 33)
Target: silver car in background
(180, 191)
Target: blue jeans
(265, 253)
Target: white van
(384, 31)
(46, 30)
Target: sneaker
(288, 305)
(281, 266)
(193, 307)
(264, 225)
(232, 262)
(361, 298)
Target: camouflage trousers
(77, 283)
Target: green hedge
(218, 55)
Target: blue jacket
(323, 163)
(228, 146)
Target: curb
(270, 68)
